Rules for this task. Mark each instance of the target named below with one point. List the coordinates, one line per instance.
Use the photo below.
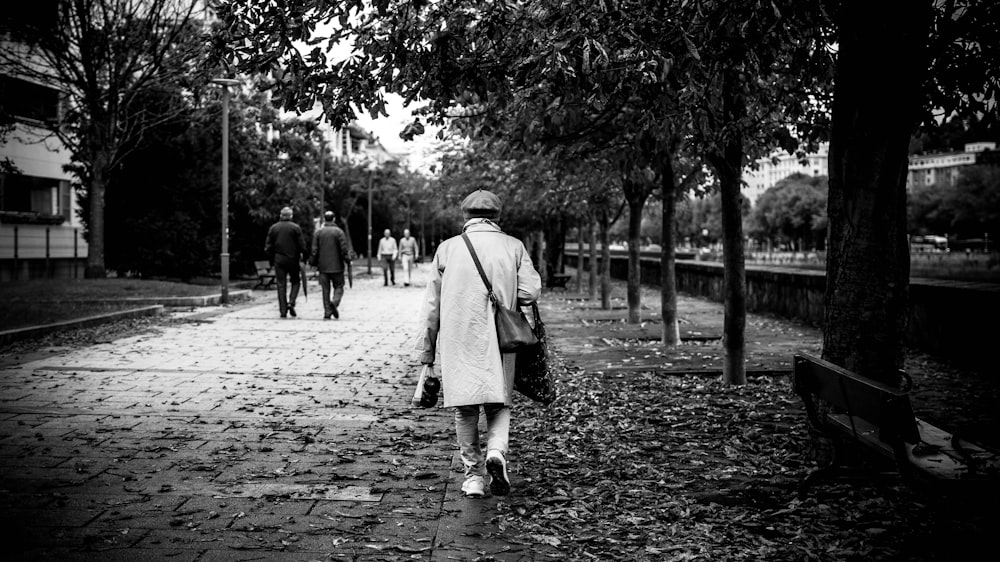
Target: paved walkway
(238, 436)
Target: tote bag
(533, 376)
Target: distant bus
(929, 243)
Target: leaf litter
(658, 466)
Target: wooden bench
(855, 410)
(558, 280)
(265, 275)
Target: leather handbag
(513, 329)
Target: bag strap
(479, 266)
(537, 316)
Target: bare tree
(104, 55)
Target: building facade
(770, 170)
(41, 235)
(944, 168)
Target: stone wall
(947, 318)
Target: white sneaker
(474, 486)
(496, 465)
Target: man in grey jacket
(330, 256)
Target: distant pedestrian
(285, 248)
(408, 253)
(388, 251)
(458, 322)
(330, 257)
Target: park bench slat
(558, 280)
(265, 275)
(930, 455)
(886, 407)
(863, 411)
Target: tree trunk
(554, 233)
(95, 225)
(636, 195)
(728, 165)
(543, 266)
(592, 265)
(668, 279)
(604, 225)
(579, 257)
(734, 279)
(881, 65)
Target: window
(30, 195)
(26, 100)
(32, 18)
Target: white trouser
(407, 267)
(467, 430)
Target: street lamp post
(371, 173)
(224, 256)
(322, 179)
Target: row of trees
(142, 120)
(582, 112)
(164, 201)
(577, 115)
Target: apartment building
(924, 169)
(772, 169)
(41, 235)
(944, 168)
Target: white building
(40, 232)
(928, 169)
(780, 165)
(924, 169)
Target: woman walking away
(458, 326)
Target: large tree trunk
(636, 195)
(882, 61)
(668, 279)
(95, 224)
(734, 279)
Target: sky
(387, 130)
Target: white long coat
(458, 319)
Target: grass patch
(48, 301)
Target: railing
(35, 250)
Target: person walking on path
(388, 251)
(330, 256)
(285, 248)
(408, 253)
(457, 324)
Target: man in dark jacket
(285, 248)
(330, 257)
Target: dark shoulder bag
(513, 329)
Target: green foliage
(954, 134)
(792, 213)
(699, 219)
(964, 69)
(160, 219)
(968, 209)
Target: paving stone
(247, 437)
